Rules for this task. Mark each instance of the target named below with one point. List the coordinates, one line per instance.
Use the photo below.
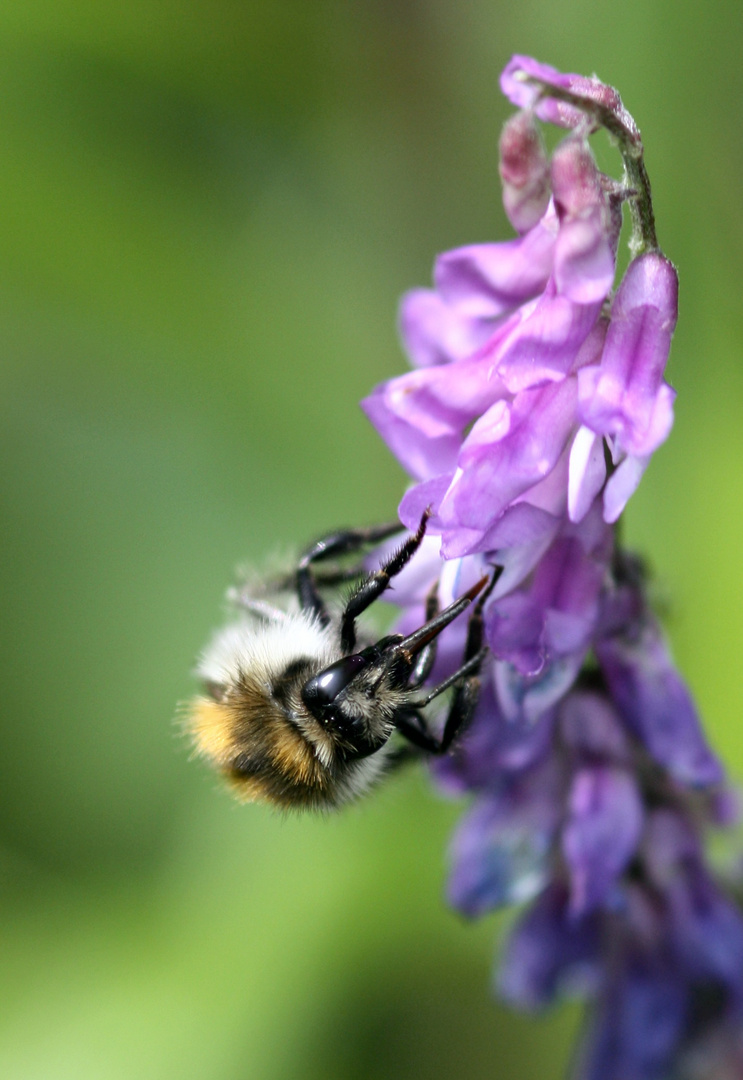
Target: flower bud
(524, 171)
(586, 243)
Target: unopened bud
(586, 244)
(524, 171)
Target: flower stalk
(600, 106)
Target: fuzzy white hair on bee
(297, 713)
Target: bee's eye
(319, 692)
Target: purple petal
(422, 453)
(555, 617)
(601, 833)
(419, 498)
(444, 399)
(506, 454)
(521, 555)
(421, 415)
(659, 424)
(550, 494)
(592, 729)
(707, 931)
(655, 703)
(515, 628)
(568, 582)
(543, 344)
(638, 1027)
(483, 281)
(519, 558)
(525, 699)
(493, 745)
(548, 951)
(499, 850)
(435, 333)
(520, 536)
(458, 540)
(523, 527)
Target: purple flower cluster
(536, 401)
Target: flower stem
(615, 119)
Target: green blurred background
(208, 211)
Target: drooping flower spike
(536, 401)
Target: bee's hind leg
(335, 545)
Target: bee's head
(355, 698)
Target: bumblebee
(298, 713)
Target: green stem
(624, 132)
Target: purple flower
(602, 831)
(656, 704)
(500, 850)
(522, 379)
(556, 613)
(624, 399)
(536, 400)
(638, 1022)
(548, 952)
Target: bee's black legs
(334, 545)
(372, 587)
(413, 726)
(426, 658)
(466, 679)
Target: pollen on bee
(211, 727)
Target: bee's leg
(373, 586)
(401, 754)
(467, 692)
(413, 726)
(426, 658)
(336, 544)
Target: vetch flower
(521, 374)
(656, 704)
(536, 401)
